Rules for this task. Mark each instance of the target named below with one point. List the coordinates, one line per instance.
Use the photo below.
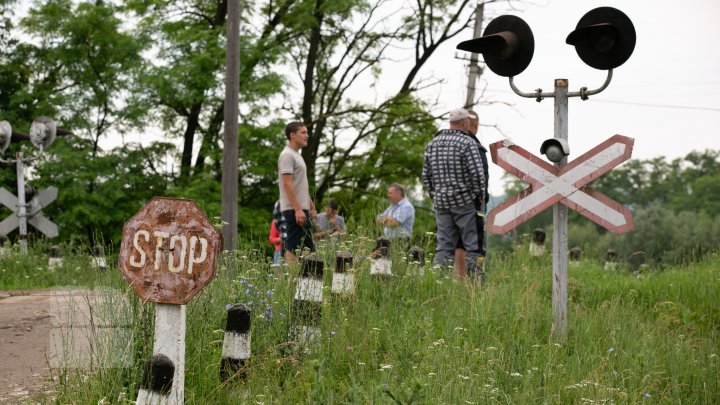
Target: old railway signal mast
(604, 39)
(42, 134)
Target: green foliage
(98, 193)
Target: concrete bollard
(307, 306)
(4, 246)
(575, 255)
(236, 345)
(55, 260)
(537, 245)
(98, 260)
(157, 381)
(343, 281)
(416, 260)
(381, 265)
(611, 259)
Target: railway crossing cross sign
(566, 185)
(33, 213)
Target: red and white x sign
(566, 185)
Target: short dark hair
(293, 127)
(398, 188)
(332, 204)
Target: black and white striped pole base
(611, 261)
(537, 245)
(157, 381)
(343, 281)
(575, 256)
(381, 266)
(4, 246)
(236, 345)
(55, 260)
(307, 306)
(416, 260)
(98, 260)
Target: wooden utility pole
(474, 71)
(229, 207)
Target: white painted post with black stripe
(381, 266)
(55, 260)
(537, 245)
(307, 305)
(611, 261)
(170, 326)
(157, 381)
(575, 256)
(236, 345)
(98, 260)
(416, 260)
(343, 281)
(4, 246)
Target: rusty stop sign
(169, 251)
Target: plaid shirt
(453, 170)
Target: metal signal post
(42, 134)
(604, 39)
(560, 211)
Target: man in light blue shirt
(399, 217)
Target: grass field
(652, 337)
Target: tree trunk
(193, 122)
(310, 152)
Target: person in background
(295, 203)
(453, 176)
(480, 205)
(329, 222)
(398, 219)
(275, 240)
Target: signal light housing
(604, 38)
(507, 45)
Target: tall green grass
(651, 337)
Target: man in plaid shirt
(453, 175)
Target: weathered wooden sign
(169, 251)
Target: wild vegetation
(651, 336)
(106, 70)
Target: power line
(682, 107)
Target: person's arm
(400, 216)
(427, 174)
(386, 219)
(292, 197)
(340, 225)
(390, 221)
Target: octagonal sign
(169, 251)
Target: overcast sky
(666, 96)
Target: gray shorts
(454, 224)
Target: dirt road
(25, 324)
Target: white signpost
(168, 254)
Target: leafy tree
(99, 191)
(352, 143)
(86, 61)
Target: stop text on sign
(169, 251)
(180, 252)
